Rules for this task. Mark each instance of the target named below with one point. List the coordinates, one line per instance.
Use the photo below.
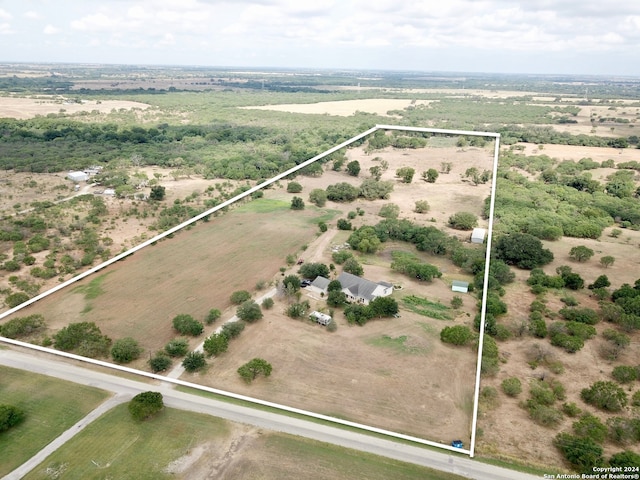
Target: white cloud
(4, 15)
(32, 15)
(50, 30)
(5, 29)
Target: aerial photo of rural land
(269, 239)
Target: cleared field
(184, 445)
(191, 273)
(345, 108)
(21, 108)
(51, 406)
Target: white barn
(77, 176)
(459, 286)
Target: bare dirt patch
(569, 152)
(22, 108)
(345, 108)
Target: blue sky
(504, 36)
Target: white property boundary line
(258, 401)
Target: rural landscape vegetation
(226, 301)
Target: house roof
(357, 286)
(321, 283)
(478, 233)
(459, 283)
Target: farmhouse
(77, 176)
(321, 318)
(361, 290)
(477, 235)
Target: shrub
(249, 311)
(178, 347)
(605, 395)
(213, 315)
(294, 187)
(511, 386)
(160, 362)
(126, 350)
(545, 415)
(353, 267)
(624, 374)
(216, 344)
(297, 203)
(10, 416)
(353, 168)
(194, 361)
(624, 460)
(83, 338)
(581, 315)
(389, 210)
(257, 366)
(15, 299)
(456, 335)
(581, 253)
(187, 325)
(342, 192)
(232, 329)
(332, 326)
(318, 197)
(571, 409)
(422, 206)
(240, 296)
(583, 453)
(590, 426)
(341, 256)
(463, 221)
(22, 326)
(267, 303)
(344, 224)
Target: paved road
(125, 388)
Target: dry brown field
(22, 108)
(344, 108)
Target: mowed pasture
(191, 273)
(184, 445)
(51, 406)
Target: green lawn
(427, 308)
(51, 406)
(115, 446)
(278, 456)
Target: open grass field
(51, 407)
(15, 107)
(193, 272)
(184, 445)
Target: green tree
(22, 326)
(463, 221)
(456, 335)
(126, 350)
(216, 344)
(160, 362)
(342, 192)
(365, 240)
(625, 459)
(353, 267)
(590, 426)
(522, 250)
(581, 253)
(257, 366)
(83, 338)
(194, 361)
(187, 325)
(353, 168)
(605, 395)
(292, 282)
(10, 416)
(297, 203)
(249, 311)
(313, 270)
(240, 296)
(607, 261)
(406, 174)
(422, 206)
(294, 187)
(298, 310)
(145, 405)
(383, 307)
(213, 315)
(178, 347)
(157, 193)
(601, 282)
(318, 197)
(336, 298)
(583, 453)
(344, 224)
(372, 189)
(232, 329)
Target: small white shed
(459, 286)
(77, 176)
(478, 234)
